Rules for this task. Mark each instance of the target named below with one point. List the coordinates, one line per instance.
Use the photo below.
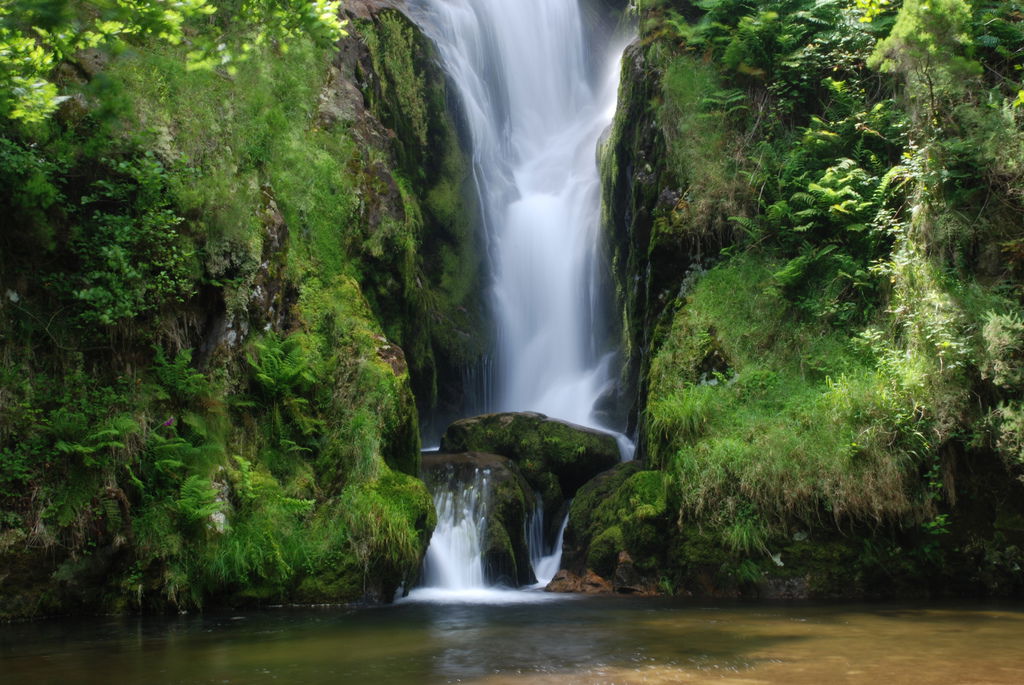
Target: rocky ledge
(556, 457)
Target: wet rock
(590, 583)
(627, 580)
(612, 405)
(555, 457)
(565, 581)
(540, 445)
(583, 529)
(784, 588)
(593, 584)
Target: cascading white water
(545, 560)
(453, 569)
(453, 560)
(534, 114)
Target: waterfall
(453, 560)
(453, 570)
(535, 104)
(535, 113)
(545, 559)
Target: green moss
(702, 152)
(372, 414)
(392, 48)
(798, 420)
(295, 435)
(426, 290)
(586, 512)
(538, 444)
(604, 550)
(625, 508)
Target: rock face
(506, 554)
(386, 89)
(617, 530)
(627, 579)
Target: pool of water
(567, 640)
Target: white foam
(485, 596)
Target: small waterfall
(545, 559)
(454, 560)
(453, 570)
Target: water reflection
(583, 640)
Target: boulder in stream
(551, 454)
(589, 583)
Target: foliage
(131, 256)
(835, 366)
(29, 190)
(391, 47)
(214, 464)
(927, 44)
(798, 426)
(36, 36)
(178, 379)
(197, 500)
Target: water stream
(545, 559)
(454, 560)
(581, 640)
(535, 112)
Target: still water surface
(568, 640)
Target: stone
(92, 61)
(573, 454)
(367, 9)
(593, 584)
(612, 406)
(784, 588)
(590, 583)
(565, 581)
(583, 529)
(555, 457)
(627, 580)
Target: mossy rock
(506, 554)
(425, 285)
(339, 584)
(586, 522)
(604, 551)
(539, 445)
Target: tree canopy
(36, 36)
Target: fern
(112, 513)
(281, 367)
(75, 436)
(748, 225)
(197, 499)
(178, 380)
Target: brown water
(573, 640)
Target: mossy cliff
(814, 214)
(434, 308)
(223, 294)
